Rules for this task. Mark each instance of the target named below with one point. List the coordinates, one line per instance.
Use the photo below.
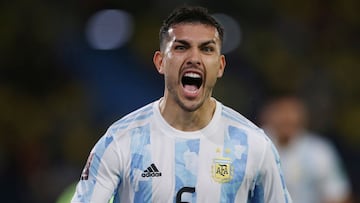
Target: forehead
(193, 32)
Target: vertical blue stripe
(235, 148)
(140, 159)
(186, 154)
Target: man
(311, 164)
(186, 146)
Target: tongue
(190, 87)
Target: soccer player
(312, 166)
(186, 146)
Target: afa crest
(222, 170)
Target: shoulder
(119, 129)
(320, 146)
(236, 119)
(239, 125)
(315, 139)
(135, 119)
(262, 155)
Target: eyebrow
(184, 42)
(208, 42)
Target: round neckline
(205, 131)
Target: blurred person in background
(186, 146)
(312, 167)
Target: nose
(194, 57)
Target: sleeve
(270, 184)
(101, 174)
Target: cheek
(220, 73)
(170, 70)
(172, 63)
(215, 68)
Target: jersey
(141, 158)
(313, 170)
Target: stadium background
(65, 76)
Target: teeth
(192, 75)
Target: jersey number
(183, 190)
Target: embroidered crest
(85, 172)
(222, 170)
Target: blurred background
(69, 69)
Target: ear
(158, 60)
(222, 66)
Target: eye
(207, 49)
(180, 47)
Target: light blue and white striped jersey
(142, 159)
(313, 169)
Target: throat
(190, 123)
(188, 120)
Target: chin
(191, 106)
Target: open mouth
(191, 81)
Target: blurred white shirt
(313, 170)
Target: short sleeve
(100, 176)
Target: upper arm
(101, 173)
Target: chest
(168, 169)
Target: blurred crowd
(58, 94)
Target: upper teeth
(193, 75)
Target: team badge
(222, 170)
(85, 172)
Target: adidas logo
(151, 171)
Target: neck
(185, 120)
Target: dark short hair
(188, 14)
